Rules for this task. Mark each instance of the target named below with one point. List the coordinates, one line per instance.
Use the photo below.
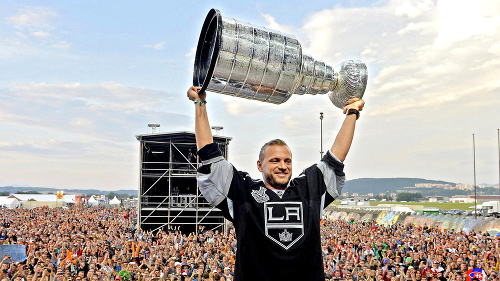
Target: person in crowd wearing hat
(185, 270)
(436, 267)
(227, 273)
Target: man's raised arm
(343, 141)
(202, 126)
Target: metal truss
(167, 171)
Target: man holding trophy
(277, 219)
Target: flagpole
(321, 134)
(475, 189)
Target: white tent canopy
(403, 209)
(45, 198)
(92, 201)
(9, 202)
(115, 201)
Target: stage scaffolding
(169, 197)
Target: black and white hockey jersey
(278, 237)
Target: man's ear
(259, 166)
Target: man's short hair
(269, 143)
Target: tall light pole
(498, 132)
(153, 127)
(475, 193)
(321, 136)
(217, 129)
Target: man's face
(276, 166)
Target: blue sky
(79, 79)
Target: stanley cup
(241, 60)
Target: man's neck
(274, 188)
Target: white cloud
(430, 86)
(461, 20)
(75, 132)
(418, 28)
(32, 17)
(56, 107)
(5, 144)
(192, 52)
(34, 27)
(233, 106)
(40, 34)
(339, 34)
(366, 51)
(417, 48)
(21, 35)
(427, 87)
(63, 45)
(273, 25)
(158, 46)
(412, 9)
(494, 49)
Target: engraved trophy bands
(241, 60)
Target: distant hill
(384, 185)
(361, 186)
(14, 189)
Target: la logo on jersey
(284, 222)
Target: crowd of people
(103, 244)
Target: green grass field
(444, 206)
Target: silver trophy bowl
(238, 59)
